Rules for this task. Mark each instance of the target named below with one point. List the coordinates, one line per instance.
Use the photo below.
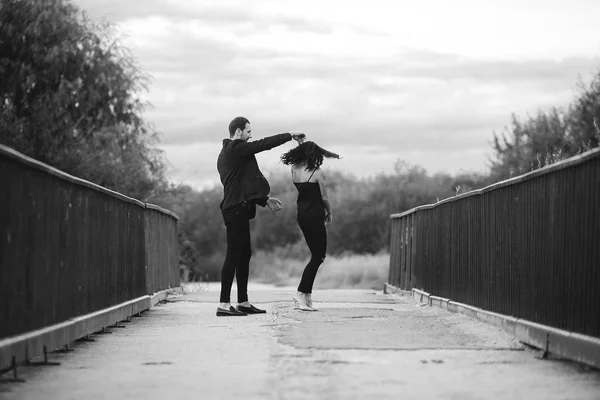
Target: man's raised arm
(267, 143)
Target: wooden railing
(528, 247)
(70, 248)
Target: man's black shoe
(232, 312)
(251, 310)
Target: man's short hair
(237, 122)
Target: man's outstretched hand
(274, 204)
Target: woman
(314, 210)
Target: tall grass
(283, 266)
(345, 271)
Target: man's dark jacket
(241, 178)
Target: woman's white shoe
(309, 302)
(300, 298)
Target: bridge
(491, 294)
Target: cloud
(343, 101)
(215, 14)
(428, 82)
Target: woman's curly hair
(308, 152)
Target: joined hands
(298, 136)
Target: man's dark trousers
(239, 251)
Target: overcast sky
(374, 81)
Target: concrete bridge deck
(361, 344)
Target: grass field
(348, 271)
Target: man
(244, 187)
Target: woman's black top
(310, 202)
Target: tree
(582, 112)
(548, 137)
(70, 97)
(531, 144)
